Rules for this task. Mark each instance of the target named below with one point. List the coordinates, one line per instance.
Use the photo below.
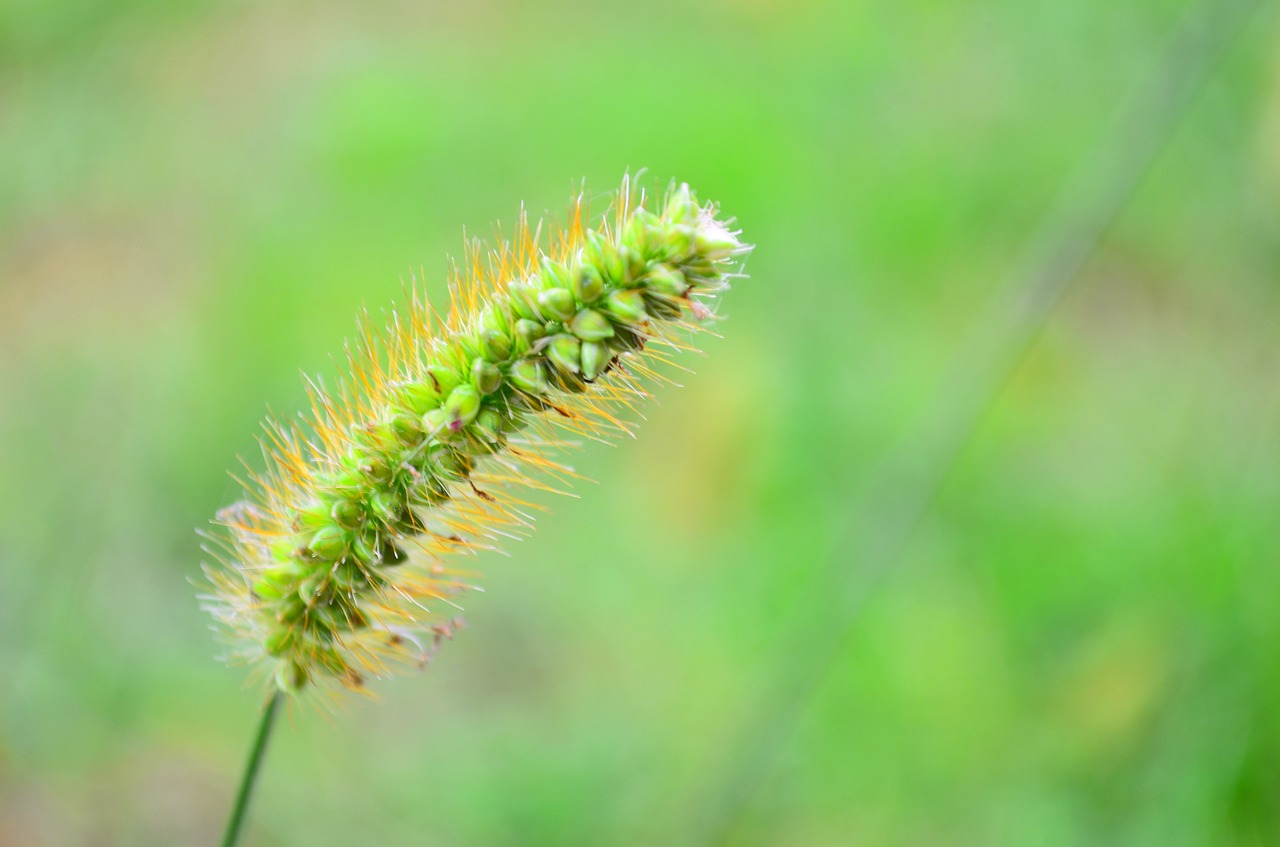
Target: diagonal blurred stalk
(247, 781)
(906, 487)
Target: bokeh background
(1080, 644)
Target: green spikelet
(340, 565)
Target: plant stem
(232, 835)
(903, 495)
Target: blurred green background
(1081, 645)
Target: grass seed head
(343, 562)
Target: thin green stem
(905, 491)
(232, 835)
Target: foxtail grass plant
(342, 562)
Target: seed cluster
(322, 577)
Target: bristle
(340, 565)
